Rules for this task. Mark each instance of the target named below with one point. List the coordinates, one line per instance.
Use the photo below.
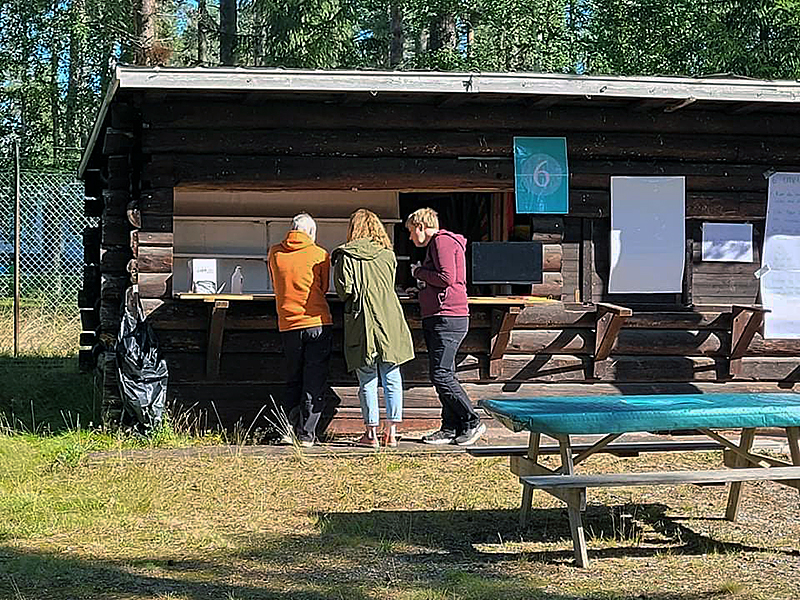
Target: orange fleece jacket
(300, 272)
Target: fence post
(17, 245)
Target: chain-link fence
(51, 250)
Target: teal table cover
(661, 412)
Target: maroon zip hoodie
(444, 271)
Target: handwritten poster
(648, 235)
(541, 175)
(780, 261)
(728, 242)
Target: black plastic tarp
(142, 371)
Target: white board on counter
(780, 260)
(648, 235)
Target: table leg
(793, 434)
(527, 491)
(745, 443)
(573, 505)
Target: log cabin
(213, 162)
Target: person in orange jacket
(300, 272)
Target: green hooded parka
(374, 324)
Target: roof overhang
(262, 80)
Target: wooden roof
(667, 93)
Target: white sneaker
(470, 436)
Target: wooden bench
(545, 482)
(627, 449)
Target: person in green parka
(376, 336)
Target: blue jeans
(392, 383)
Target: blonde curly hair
(365, 224)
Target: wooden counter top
(473, 300)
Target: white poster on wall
(648, 235)
(728, 242)
(780, 260)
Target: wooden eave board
(380, 82)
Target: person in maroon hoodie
(445, 322)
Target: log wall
(153, 146)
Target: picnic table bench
(562, 417)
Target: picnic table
(714, 415)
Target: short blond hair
(427, 217)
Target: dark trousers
(308, 353)
(443, 336)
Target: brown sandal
(368, 442)
(389, 440)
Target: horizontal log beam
(114, 259)
(507, 116)
(270, 172)
(661, 368)
(551, 286)
(155, 285)
(420, 143)
(554, 316)
(154, 259)
(171, 314)
(268, 341)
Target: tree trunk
(147, 32)
(442, 35)
(76, 75)
(397, 41)
(227, 41)
(202, 41)
(54, 94)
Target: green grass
(77, 525)
(45, 330)
(74, 524)
(46, 394)
(80, 517)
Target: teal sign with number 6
(541, 175)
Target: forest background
(57, 56)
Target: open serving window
(237, 228)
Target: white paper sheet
(204, 275)
(727, 242)
(648, 235)
(780, 284)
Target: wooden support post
(216, 330)
(587, 260)
(746, 321)
(686, 295)
(527, 491)
(610, 319)
(745, 443)
(573, 504)
(793, 434)
(503, 322)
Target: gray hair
(304, 222)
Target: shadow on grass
(447, 533)
(46, 394)
(40, 575)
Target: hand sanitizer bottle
(237, 280)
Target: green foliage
(56, 58)
(753, 38)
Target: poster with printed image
(541, 175)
